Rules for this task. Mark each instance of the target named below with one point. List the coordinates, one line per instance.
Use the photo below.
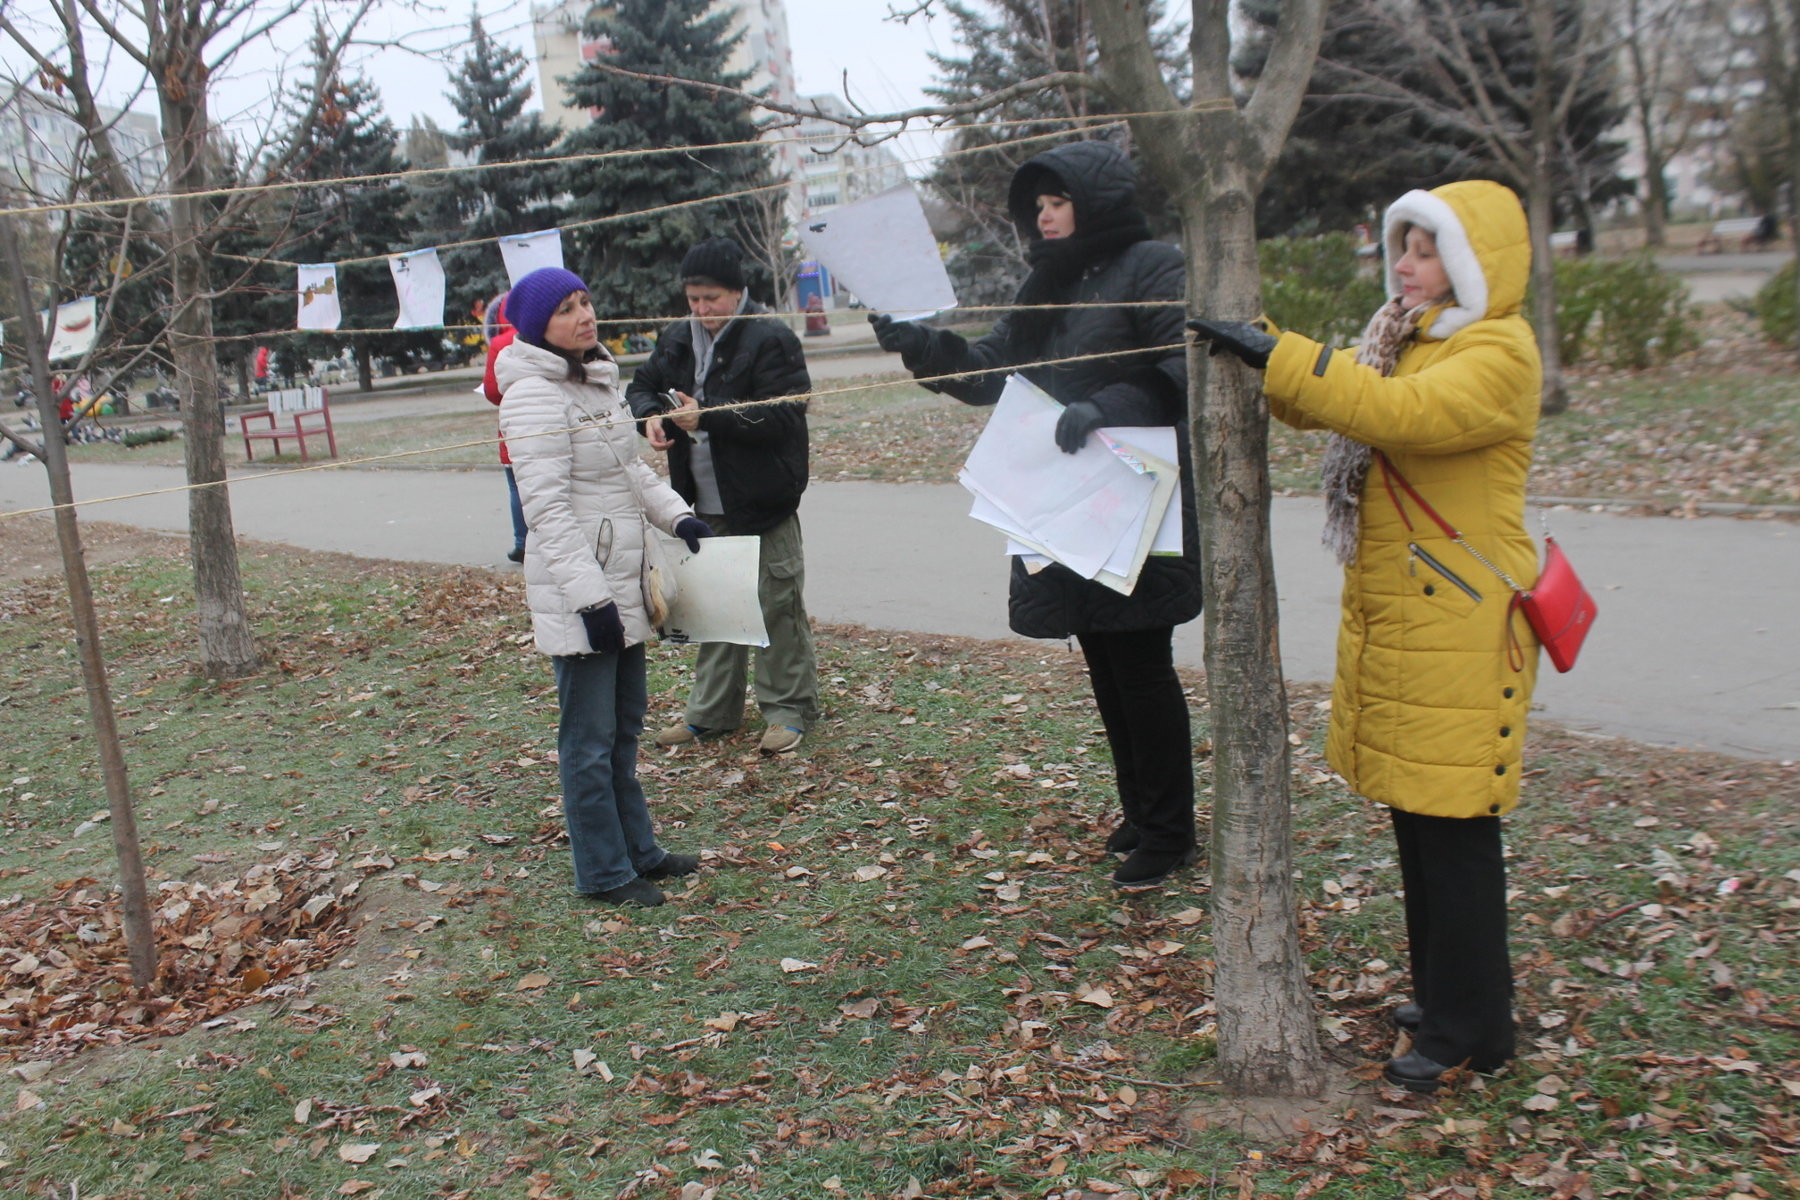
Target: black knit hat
(719, 259)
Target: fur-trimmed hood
(1483, 240)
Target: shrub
(1629, 312)
(1774, 307)
(1317, 286)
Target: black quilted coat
(1146, 389)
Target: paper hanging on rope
(419, 282)
(77, 325)
(882, 248)
(318, 297)
(529, 251)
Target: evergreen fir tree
(632, 265)
(353, 218)
(490, 90)
(1008, 42)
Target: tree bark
(227, 645)
(1212, 159)
(140, 933)
(1540, 205)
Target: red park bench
(294, 414)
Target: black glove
(1242, 338)
(605, 628)
(908, 339)
(691, 530)
(1077, 421)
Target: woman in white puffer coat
(589, 503)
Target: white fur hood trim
(1461, 263)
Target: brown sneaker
(779, 739)
(681, 735)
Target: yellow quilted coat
(1428, 710)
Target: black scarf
(1058, 263)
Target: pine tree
(490, 90)
(632, 265)
(353, 218)
(1009, 42)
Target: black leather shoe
(1414, 1072)
(1408, 1017)
(674, 865)
(1123, 840)
(1147, 868)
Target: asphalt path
(1695, 644)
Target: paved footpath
(1696, 644)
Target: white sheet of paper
(1079, 506)
(419, 282)
(318, 297)
(1157, 441)
(529, 251)
(716, 600)
(882, 248)
(77, 324)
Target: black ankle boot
(1408, 1017)
(1414, 1072)
(1123, 840)
(1147, 868)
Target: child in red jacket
(500, 335)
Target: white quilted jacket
(586, 494)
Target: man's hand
(1242, 338)
(657, 430)
(688, 415)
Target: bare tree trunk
(1540, 206)
(227, 645)
(365, 368)
(140, 934)
(1212, 161)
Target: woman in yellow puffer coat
(1434, 673)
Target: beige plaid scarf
(1347, 460)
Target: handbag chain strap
(1390, 472)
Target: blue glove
(1077, 421)
(1242, 338)
(691, 530)
(605, 628)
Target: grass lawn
(901, 973)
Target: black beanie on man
(719, 259)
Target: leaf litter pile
(900, 972)
(221, 945)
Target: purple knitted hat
(533, 300)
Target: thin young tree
(139, 932)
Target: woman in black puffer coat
(1089, 244)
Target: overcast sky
(886, 61)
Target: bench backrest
(297, 400)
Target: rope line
(740, 405)
(1076, 121)
(639, 322)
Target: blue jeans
(603, 698)
(518, 511)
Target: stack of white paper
(1100, 512)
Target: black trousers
(1455, 879)
(1146, 720)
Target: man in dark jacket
(743, 470)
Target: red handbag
(1558, 607)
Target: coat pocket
(1439, 582)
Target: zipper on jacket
(1419, 553)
